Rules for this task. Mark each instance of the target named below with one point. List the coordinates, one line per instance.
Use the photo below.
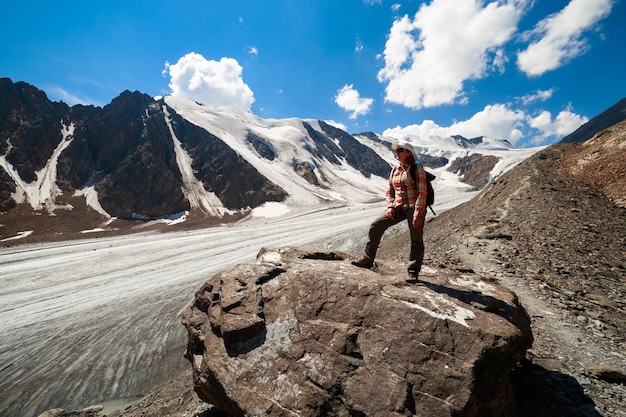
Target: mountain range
(83, 168)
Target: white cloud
(564, 124)
(539, 95)
(499, 61)
(561, 36)
(494, 121)
(499, 121)
(349, 99)
(212, 83)
(428, 58)
(426, 128)
(338, 125)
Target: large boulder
(304, 332)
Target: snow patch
(20, 235)
(271, 209)
(192, 188)
(43, 191)
(91, 198)
(97, 229)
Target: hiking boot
(363, 263)
(412, 277)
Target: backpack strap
(429, 177)
(413, 174)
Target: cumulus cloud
(212, 83)
(560, 36)
(349, 99)
(563, 124)
(500, 121)
(428, 58)
(495, 121)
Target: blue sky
(530, 71)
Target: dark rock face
(475, 169)
(361, 158)
(7, 188)
(306, 170)
(303, 332)
(263, 147)
(32, 125)
(125, 151)
(432, 161)
(466, 143)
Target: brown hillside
(601, 162)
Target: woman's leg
(377, 229)
(416, 256)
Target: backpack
(430, 194)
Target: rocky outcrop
(475, 169)
(303, 332)
(562, 251)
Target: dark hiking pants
(382, 223)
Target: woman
(406, 200)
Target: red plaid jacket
(403, 192)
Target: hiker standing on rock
(406, 200)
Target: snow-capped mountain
(146, 158)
